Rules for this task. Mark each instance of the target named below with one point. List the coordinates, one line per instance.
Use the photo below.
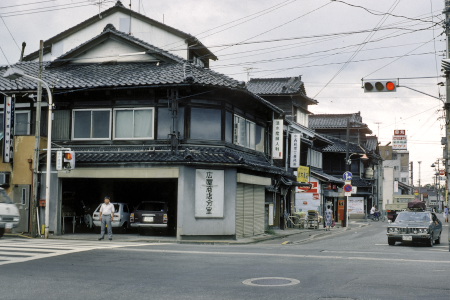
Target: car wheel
(431, 241)
(438, 240)
(391, 242)
(2, 232)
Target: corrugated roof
(326, 177)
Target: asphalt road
(355, 264)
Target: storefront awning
(326, 177)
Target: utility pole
(37, 132)
(412, 176)
(347, 168)
(447, 100)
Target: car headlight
(16, 219)
(392, 229)
(423, 230)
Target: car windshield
(4, 198)
(151, 206)
(413, 217)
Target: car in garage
(150, 215)
(121, 216)
(415, 226)
(9, 213)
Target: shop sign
(399, 140)
(277, 139)
(8, 125)
(303, 174)
(314, 188)
(295, 150)
(209, 193)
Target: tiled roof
(326, 177)
(340, 146)
(75, 76)
(163, 155)
(110, 30)
(278, 86)
(119, 7)
(372, 143)
(337, 121)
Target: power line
(12, 36)
(367, 39)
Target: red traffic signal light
(68, 155)
(380, 86)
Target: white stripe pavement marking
(33, 256)
(288, 255)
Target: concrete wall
(189, 226)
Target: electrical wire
(12, 36)
(367, 39)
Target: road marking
(285, 243)
(278, 255)
(15, 251)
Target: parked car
(9, 213)
(150, 214)
(121, 216)
(415, 226)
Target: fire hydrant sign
(209, 193)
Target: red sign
(314, 188)
(348, 188)
(399, 132)
(442, 172)
(316, 196)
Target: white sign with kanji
(277, 139)
(295, 150)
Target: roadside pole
(447, 100)
(35, 197)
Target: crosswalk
(21, 250)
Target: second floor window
(133, 123)
(91, 124)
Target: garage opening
(81, 197)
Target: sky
(332, 45)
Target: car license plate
(9, 225)
(407, 238)
(148, 219)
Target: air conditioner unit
(4, 178)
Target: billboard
(399, 140)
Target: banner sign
(295, 150)
(303, 174)
(277, 139)
(209, 193)
(8, 130)
(355, 205)
(314, 188)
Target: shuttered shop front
(249, 210)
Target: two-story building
(146, 124)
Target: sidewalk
(309, 234)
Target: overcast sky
(279, 38)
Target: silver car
(121, 216)
(9, 213)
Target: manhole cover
(271, 281)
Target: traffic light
(380, 86)
(69, 160)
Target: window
(315, 158)
(23, 197)
(245, 133)
(403, 179)
(22, 123)
(206, 124)
(228, 127)
(260, 138)
(133, 123)
(302, 118)
(165, 123)
(91, 124)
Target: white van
(9, 213)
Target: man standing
(106, 217)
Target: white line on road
(289, 255)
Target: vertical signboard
(277, 139)
(295, 150)
(399, 140)
(209, 193)
(8, 129)
(303, 174)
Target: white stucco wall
(388, 185)
(139, 29)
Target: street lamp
(363, 157)
(13, 74)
